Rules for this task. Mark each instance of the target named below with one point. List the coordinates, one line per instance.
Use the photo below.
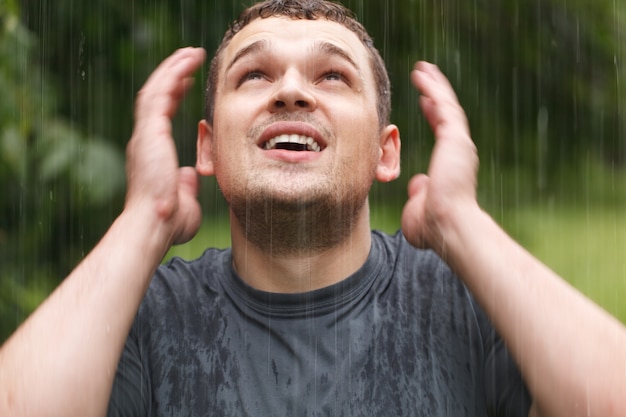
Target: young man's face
(309, 82)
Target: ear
(388, 168)
(204, 148)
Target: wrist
(148, 228)
(451, 226)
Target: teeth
(310, 143)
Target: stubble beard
(298, 225)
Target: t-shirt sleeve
(506, 393)
(131, 390)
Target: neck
(305, 269)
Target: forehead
(284, 33)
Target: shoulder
(425, 282)
(179, 286)
(411, 262)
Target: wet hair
(308, 10)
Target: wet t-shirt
(400, 337)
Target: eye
(255, 75)
(335, 76)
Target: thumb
(189, 212)
(188, 181)
(414, 225)
(417, 183)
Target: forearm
(571, 353)
(62, 360)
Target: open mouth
(298, 143)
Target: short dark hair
(308, 10)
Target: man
(310, 313)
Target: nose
(292, 94)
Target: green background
(541, 80)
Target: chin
(292, 220)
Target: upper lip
(290, 128)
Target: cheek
(226, 155)
(229, 129)
(235, 112)
(361, 134)
(360, 115)
(222, 150)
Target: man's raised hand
(450, 186)
(155, 181)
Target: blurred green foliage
(55, 179)
(541, 81)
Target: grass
(585, 245)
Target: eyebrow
(254, 47)
(324, 47)
(331, 49)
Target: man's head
(309, 10)
(296, 138)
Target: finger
(166, 86)
(183, 61)
(162, 106)
(432, 82)
(168, 83)
(430, 111)
(439, 102)
(444, 119)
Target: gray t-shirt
(400, 337)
